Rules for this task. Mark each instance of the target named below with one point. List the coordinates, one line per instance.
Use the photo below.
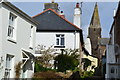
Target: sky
(106, 12)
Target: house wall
(94, 62)
(112, 33)
(110, 59)
(0, 43)
(117, 29)
(88, 45)
(49, 38)
(22, 41)
(110, 55)
(72, 41)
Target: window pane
(11, 27)
(112, 70)
(11, 20)
(8, 61)
(57, 41)
(10, 31)
(62, 41)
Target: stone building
(94, 32)
(98, 44)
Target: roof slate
(51, 21)
(104, 41)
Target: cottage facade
(17, 37)
(56, 30)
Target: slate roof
(104, 41)
(51, 21)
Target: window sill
(11, 40)
(59, 46)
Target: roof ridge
(57, 15)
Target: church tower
(94, 31)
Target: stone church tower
(94, 31)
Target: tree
(18, 69)
(47, 54)
(68, 60)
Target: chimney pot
(62, 14)
(61, 11)
(77, 5)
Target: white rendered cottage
(55, 30)
(17, 37)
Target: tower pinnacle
(95, 21)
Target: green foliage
(47, 54)
(76, 69)
(67, 61)
(86, 74)
(87, 63)
(40, 68)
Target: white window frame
(59, 37)
(8, 66)
(12, 27)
